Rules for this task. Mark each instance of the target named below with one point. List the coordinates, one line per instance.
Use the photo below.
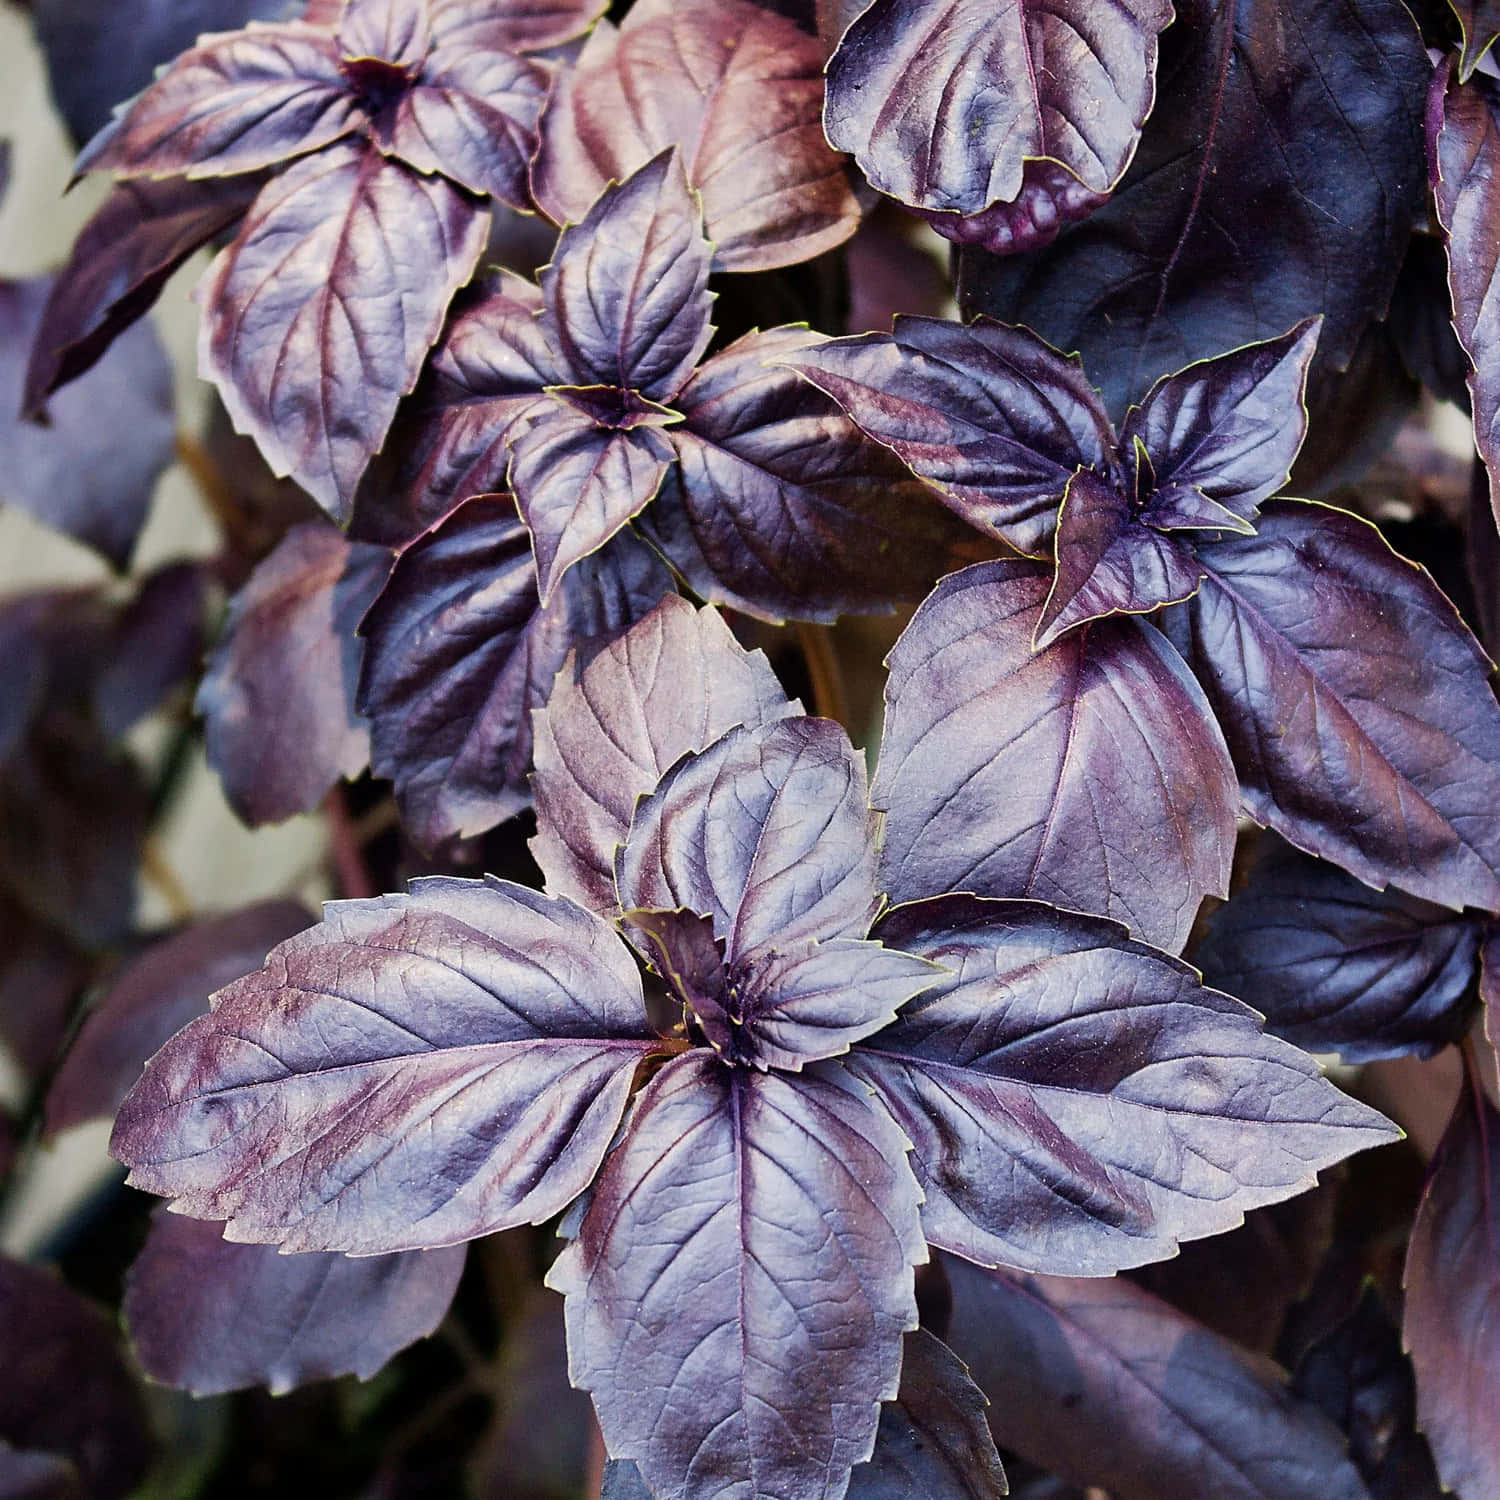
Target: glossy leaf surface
(1356, 705)
(739, 91)
(517, 25)
(208, 1316)
(278, 698)
(991, 417)
(459, 652)
(1337, 967)
(319, 316)
(741, 1281)
(1012, 773)
(1079, 1104)
(470, 1081)
(767, 831)
(944, 102)
(1453, 1297)
(1104, 1384)
(617, 721)
(1277, 178)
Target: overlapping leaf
(414, 1071)
(1453, 1297)
(1079, 1103)
(738, 90)
(1050, 774)
(1277, 178)
(741, 1281)
(279, 694)
(517, 25)
(1357, 707)
(459, 651)
(1338, 967)
(207, 1316)
(945, 103)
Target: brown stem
(218, 498)
(159, 873)
(828, 695)
(349, 871)
(593, 1484)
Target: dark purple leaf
(1337, 967)
(1090, 774)
(41, 976)
(208, 1316)
(155, 995)
(1228, 427)
(767, 831)
(1489, 985)
(739, 91)
(1103, 1384)
(1453, 1298)
(944, 103)
(626, 296)
(237, 102)
(1358, 1375)
(157, 645)
(616, 722)
(1108, 562)
(1465, 148)
(933, 1440)
(742, 1279)
(1278, 178)
(577, 484)
(459, 653)
(120, 262)
(412, 1072)
(1356, 705)
(92, 470)
(1480, 23)
(1079, 1103)
(622, 1481)
(318, 318)
(995, 420)
(278, 696)
(393, 31)
(472, 116)
(1050, 199)
(64, 1388)
(779, 506)
(28, 1475)
(515, 25)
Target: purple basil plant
(964, 1085)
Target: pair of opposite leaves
(829, 1086)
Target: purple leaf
(64, 1388)
(1489, 986)
(41, 978)
(945, 102)
(767, 831)
(208, 1316)
(615, 723)
(392, 31)
(28, 1475)
(1453, 1298)
(154, 995)
(319, 316)
(1464, 151)
(515, 26)
(1278, 178)
(995, 420)
(1337, 967)
(626, 296)
(576, 483)
(412, 1072)
(278, 696)
(1090, 774)
(90, 472)
(121, 260)
(1108, 562)
(933, 1440)
(459, 653)
(1050, 199)
(780, 507)
(1356, 705)
(472, 116)
(1480, 25)
(1079, 1104)
(1105, 1385)
(1228, 427)
(681, 947)
(237, 102)
(742, 1279)
(739, 91)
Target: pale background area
(217, 861)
